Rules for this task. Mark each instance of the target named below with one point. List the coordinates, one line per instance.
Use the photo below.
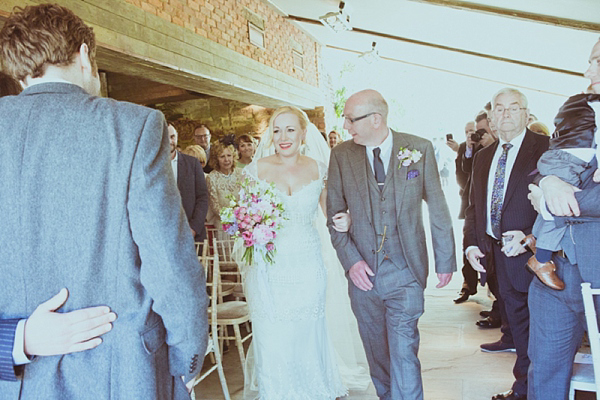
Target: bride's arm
(341, 221)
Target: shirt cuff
(469, 249)
(544, 210)
(19, 356)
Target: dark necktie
(378, 167)
(498, 191)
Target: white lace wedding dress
(291, 356)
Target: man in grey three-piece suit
(384, 252)
(88, 201)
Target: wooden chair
(585, 376)
(231, 279)
(232, 313)
(213, 348)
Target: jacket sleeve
(469, 229)
(201, 198)
(442, 234)
(169, 272)
(342, 241)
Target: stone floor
(453, 367)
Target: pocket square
(413, 173)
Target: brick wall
(226, 22)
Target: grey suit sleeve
(201, 203)
(170, 271)
(336, 202)
(442, 234)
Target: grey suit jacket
(347, 190)
(88, 201)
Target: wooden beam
(524, 15)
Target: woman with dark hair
(246, 149)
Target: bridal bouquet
(255, 219)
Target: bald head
(365, 117)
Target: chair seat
(232, 311)
(583, 374)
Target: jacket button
(383, 199)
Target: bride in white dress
(291, 355)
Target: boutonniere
(407, 157)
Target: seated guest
(224, 180)
(192, 187)
(246, 149)
(197, 152)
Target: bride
(291, 355)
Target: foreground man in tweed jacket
(88, 201)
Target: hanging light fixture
(372, 55)
(337, 21)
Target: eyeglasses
(514, 109)
(353, 120)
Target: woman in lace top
(223, 180)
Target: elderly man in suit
(557, 317)
(499, 217)
(192, 187)
(382, 177)
(89, 202)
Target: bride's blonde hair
(302, 118)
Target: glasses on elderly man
(353, 120)
(514, 109)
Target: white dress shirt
(174, 165)
(387, 146)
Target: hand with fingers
(49, 333)
(514, 246)
(342, 222)
(560, 196)
(474, 255)
(444, 280)
(359, 274)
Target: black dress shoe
(489, 323)
(463, 296)
(485, 314)
(510, 395)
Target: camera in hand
(478, 135)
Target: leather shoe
(485, 313)
(489, 323)
(463, 296)
(498, 347)
(510, 395)
(546, 273)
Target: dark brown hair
(37, 36)
(8, 86)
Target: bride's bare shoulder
(311, 166)
(265, 164)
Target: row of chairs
(223, 278)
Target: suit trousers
(557, 326)
(517, 312)
(499, 309)
(387, 321)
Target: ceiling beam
(447, 48)
(518, 14)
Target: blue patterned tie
(498, 191)
(378, 167)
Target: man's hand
(514, 247)
(342, 222)
(358, 274)
(560, 196)
(49, 333)
(474, 255)
(535, 197)
(444, 280)
(453, 144)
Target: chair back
(592, 324)
(224, 249)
